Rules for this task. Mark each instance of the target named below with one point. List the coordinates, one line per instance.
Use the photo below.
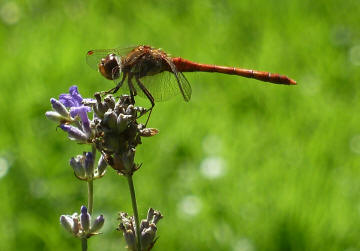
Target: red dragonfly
(142, 65)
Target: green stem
(84, 244)
(134, 206)
(90, 196)
(91, 185)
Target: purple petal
(75, 94)
(72, 99)
(67, 100)
(82, 111)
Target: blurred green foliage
(243, 166)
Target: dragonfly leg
(116, 88)
(148, 95)
(132, 89)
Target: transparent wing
(185, 86)
(93, 57)
(182, 82)
(164, 86)
(161, 86)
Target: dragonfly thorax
(145, 65)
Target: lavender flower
(80, 225)
(60, 113)
(74, 121)
(83, 166)
(73, 100)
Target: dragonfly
(154, 74)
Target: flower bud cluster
(147, 229)
(81, 226)
(119, 132)
(83, 166)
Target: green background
(243, 166)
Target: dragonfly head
(110, 67)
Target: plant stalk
(84, 244)
(91, 184)
(90, 196)
(134, 206)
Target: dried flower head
(148, 229)
(119, 132)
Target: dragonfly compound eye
(109, 67)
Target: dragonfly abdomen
(184, 65)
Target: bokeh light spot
(243, 244)
(354, 55)
(355, 144)
(212, 167)
(10, 13)
(4, 167)
(189, 206)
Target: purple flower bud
(59, 107)
(77, 164)
(102, 164)
(85, 219)
(97, 225)
(67, 223)
(74, 133)
(89, 164)
(54, 116)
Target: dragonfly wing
(161, 86)
(164, 86)
(182, 82)
(93, 57)
(184, 86)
